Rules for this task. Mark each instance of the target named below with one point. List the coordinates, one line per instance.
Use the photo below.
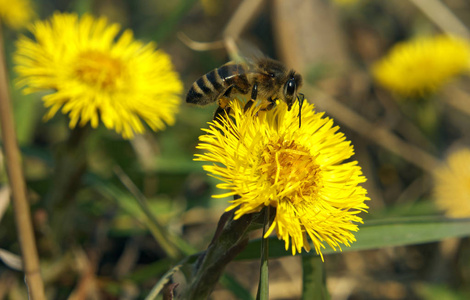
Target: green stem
(69, 166)
(263, 286)
(225, 246)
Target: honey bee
(266, 78)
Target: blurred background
(101, 247)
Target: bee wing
(246, 52)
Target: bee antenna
(300, 98)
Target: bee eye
(290, 87)
(272, 75)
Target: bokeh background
(98, 245)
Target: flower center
(99, 69)
(291, 170)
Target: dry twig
(18, 188)
(377, 134)
(442, 16)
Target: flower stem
(18, 187)
(263, 287)
(227, 244)
(70, 165)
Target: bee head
(293, 83)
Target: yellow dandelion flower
(452, 185)
(265, 158)
(16, 14)
(421, 66)
(95, 76)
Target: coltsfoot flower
(452, 185)
(421, 66)
(16, 14)
(94, 76)
(266, 159)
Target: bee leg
(227, 94)
(221, 112)
(300, 98)
(270, 106)
(228, 91)
(223, 109)
(254, 95)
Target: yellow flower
(95, 76)
(421, 66)
(452, 185)
(265, 158)
(17, 13)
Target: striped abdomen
(213, 85)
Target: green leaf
(150, 271)
(178, 165)
(435, 291)
(158, 231)
(379, 234)
(313, 278)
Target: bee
(265, 78)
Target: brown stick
(244, 14)
(241, 18)
(377, 134)
(442, 16)
(18, 188)
(457, 98)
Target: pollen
(100, 70)
(292, 170)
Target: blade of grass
(380, 234)
(121, 196)
(157, 229)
